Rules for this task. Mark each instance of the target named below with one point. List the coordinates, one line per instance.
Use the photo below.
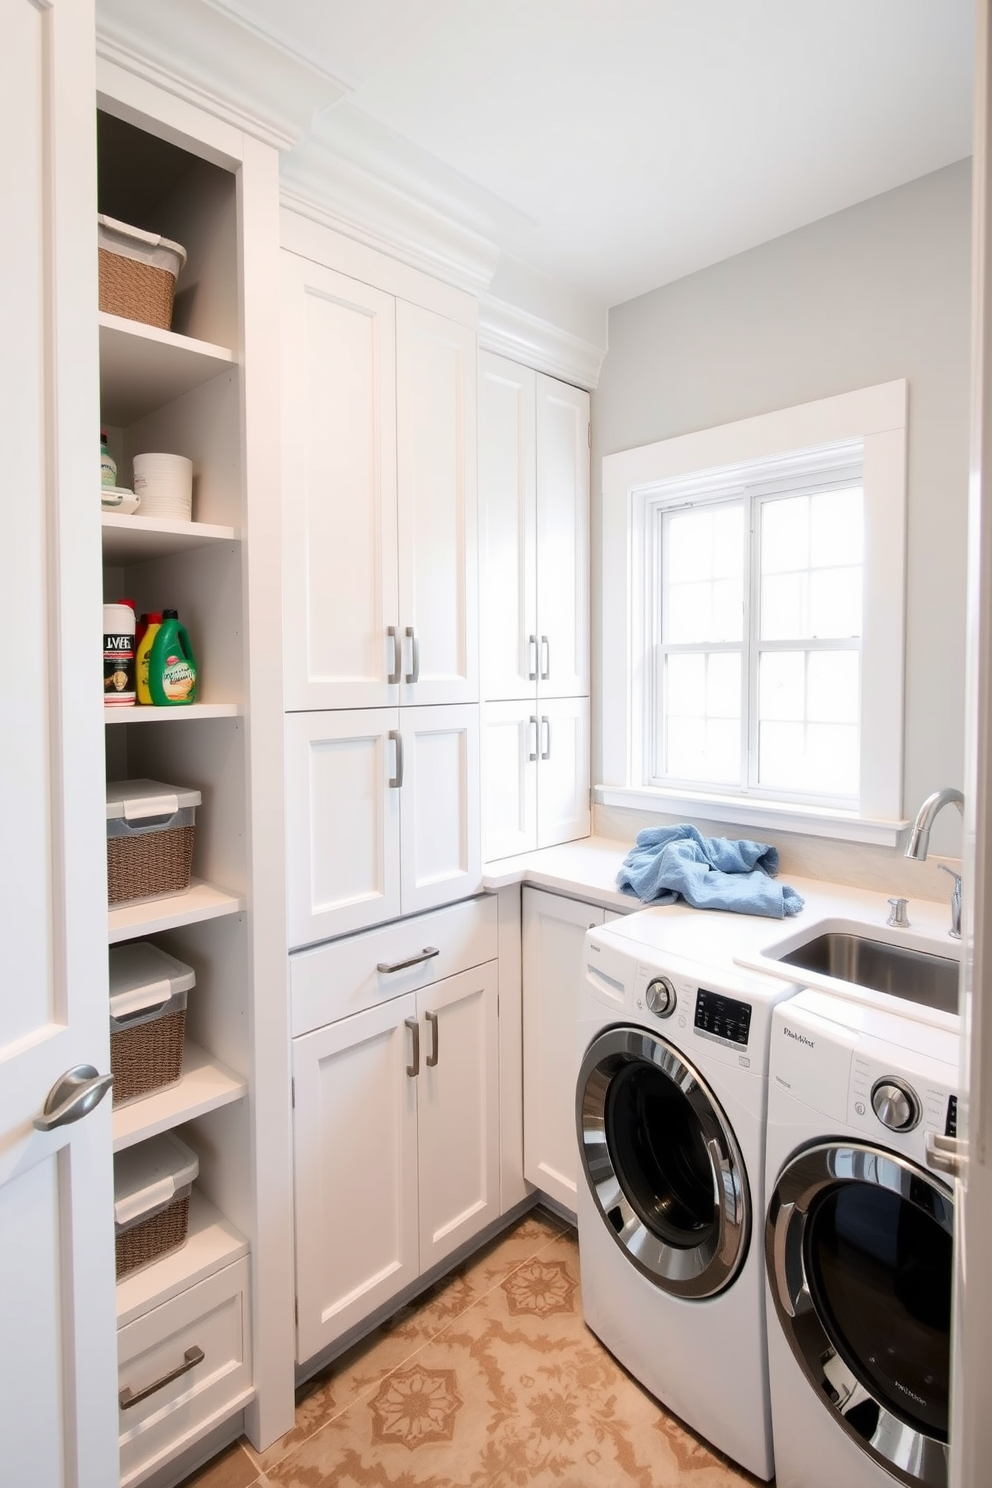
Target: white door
(562, 539)
(440, 806)
(553, 932)
(507, 528)
(971, 1366)
(58, 1364)
(344, 771)
(438, 507)
(338, 490)
(355, 1164)
(563, 770)
(458, 1110)
(510, 741)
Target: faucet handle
(955, 930)
(943, 868)
(898, 915)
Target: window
(760, 639)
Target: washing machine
(670, 1113)
(859, 1244)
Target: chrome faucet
(919, 844)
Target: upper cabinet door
(562, 539)
(507, 528)
(436, 477)
(338, 490)
(440, 806)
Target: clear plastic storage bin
(148, 991)
(138, 272)
(152, 1185)
(149, 838)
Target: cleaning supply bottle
(108, 465)
(118, 654)
(171, 664)
(152, 624)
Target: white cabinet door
(553, 931)
(342, 822)
(458, 1109)
(562, 539)
(338, 489)
(440, 806)
(355, 1165)
(507, 528)
(510, 735)
(437, 486)
(58, 1361)
(563, 770)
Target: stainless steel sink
(931, 981)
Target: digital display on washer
(951, 1125)
(722, 1018)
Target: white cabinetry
(534, 514)
(554, 929)
(396, 1111)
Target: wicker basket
(152, 1186)
(138, 273)
(154, 1237)
(147, 1058)
(150, 828)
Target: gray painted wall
(879, 291)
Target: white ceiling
(619, 144)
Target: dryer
(859, 1244)
(670, 1111)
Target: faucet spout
(919, 837)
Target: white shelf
(136, 538)
(205, 1085)
(212, 1243)
(143, 368)
(201, 901)
(143, 714)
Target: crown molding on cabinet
(526, 338)
(201, 54)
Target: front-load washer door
(662, 1163)
(858, 1245)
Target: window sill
(810, 821)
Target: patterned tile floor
(489, 1380)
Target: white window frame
(874, 416)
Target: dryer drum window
(859, 1247)
(662, 1163)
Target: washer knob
(660, 997)
(896, 1105)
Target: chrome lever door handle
(73, 1097)
(193, 1356)
(431, 1060)
(413, 1069)
(397, 667)
(532, 670)
(413, 675)
(395, 781)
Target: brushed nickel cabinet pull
(532, 669)
(425, 955)
(432, 1056)
(413, 1069)
(546, 667)
(413, 675)
(395, 671)
(546, 731)
(193, 1356)
(533, 724)
(396, 780)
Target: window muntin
(755, 603)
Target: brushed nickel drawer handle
(546, 732)
(432, 1056)
(413, 675)
(425, 955)
(533, 724)
(394, 675)
(413, 1069)
(395, 781)
(532, 669)
(546, 658)
(191, 1358)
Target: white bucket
(164, 484)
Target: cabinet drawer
(212, 1318)
(339, 978)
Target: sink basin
(916, 976)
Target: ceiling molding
(202, 54)
(526, 338)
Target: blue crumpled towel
(709, 873)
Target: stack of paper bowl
(165, 486)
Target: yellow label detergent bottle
(171, 664)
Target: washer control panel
(896, 1104)
(661, 997)
(722, 1018)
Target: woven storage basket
(152, 1186)
(138, 272)
(150, 829)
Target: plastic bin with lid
(152, 1185)
(150, 827)
(148, 991)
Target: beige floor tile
(232, 1468)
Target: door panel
(437, 484)
(509, 807)
(342, 822)
(458, 1109)
(440, 809)
(563, 812)
(339, 488)
(507, 528)
(562, 539)
(57, 1317)
(355, 1127)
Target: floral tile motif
(415, 1406)
(540, 1288)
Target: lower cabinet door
(355, 1126)
(458, 1108)
(184, 1367)
(563, 770)
(553, 931)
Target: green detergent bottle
(171, 664)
